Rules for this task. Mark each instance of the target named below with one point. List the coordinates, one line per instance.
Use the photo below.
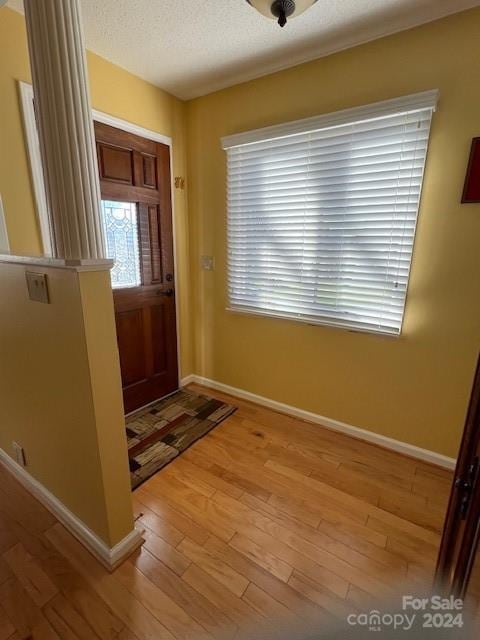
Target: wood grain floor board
(6, 627)
(278, 482)
(31, 576)
(265, 580)
(241, 613)
(172, 616)
(67, 621)
(265, 521)
(24, 615)
(208, 477)
(172, 516)
(215, 567)
(171, 556)
(312, 543)
(147, 518)
(212, 619)
(264, 604)
(324, 598)
(346, 544)
(131, 610)
(191, 504)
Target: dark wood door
(137, 217)
(457, 569)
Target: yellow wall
(59, 371)
(415, 388)
(57, 400)
(106, 391)
(22, 227)
(113, 91)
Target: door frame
(33, 146)
(461, 527)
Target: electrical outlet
(208, 263)
(19, 454)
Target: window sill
(315, 322)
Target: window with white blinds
(322, 214)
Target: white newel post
(67, 143)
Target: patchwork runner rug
(158, 434)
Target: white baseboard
(188, 380)
(356, 432)
(110, 557)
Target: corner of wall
(106, 388)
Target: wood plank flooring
(265, 521)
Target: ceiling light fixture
(280, 10)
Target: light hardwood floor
(265, 519)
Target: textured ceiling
(194, 47)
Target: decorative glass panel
(120, 228)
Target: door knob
(169, 293)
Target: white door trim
(31, 132)
(125, 125)
(4, 243)
(33, 145)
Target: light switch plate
(37, 287)
(208, 263)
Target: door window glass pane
(120, 227)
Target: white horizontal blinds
(321, 223)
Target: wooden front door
(137, 220)
(458, 570)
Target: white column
(67, 143)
